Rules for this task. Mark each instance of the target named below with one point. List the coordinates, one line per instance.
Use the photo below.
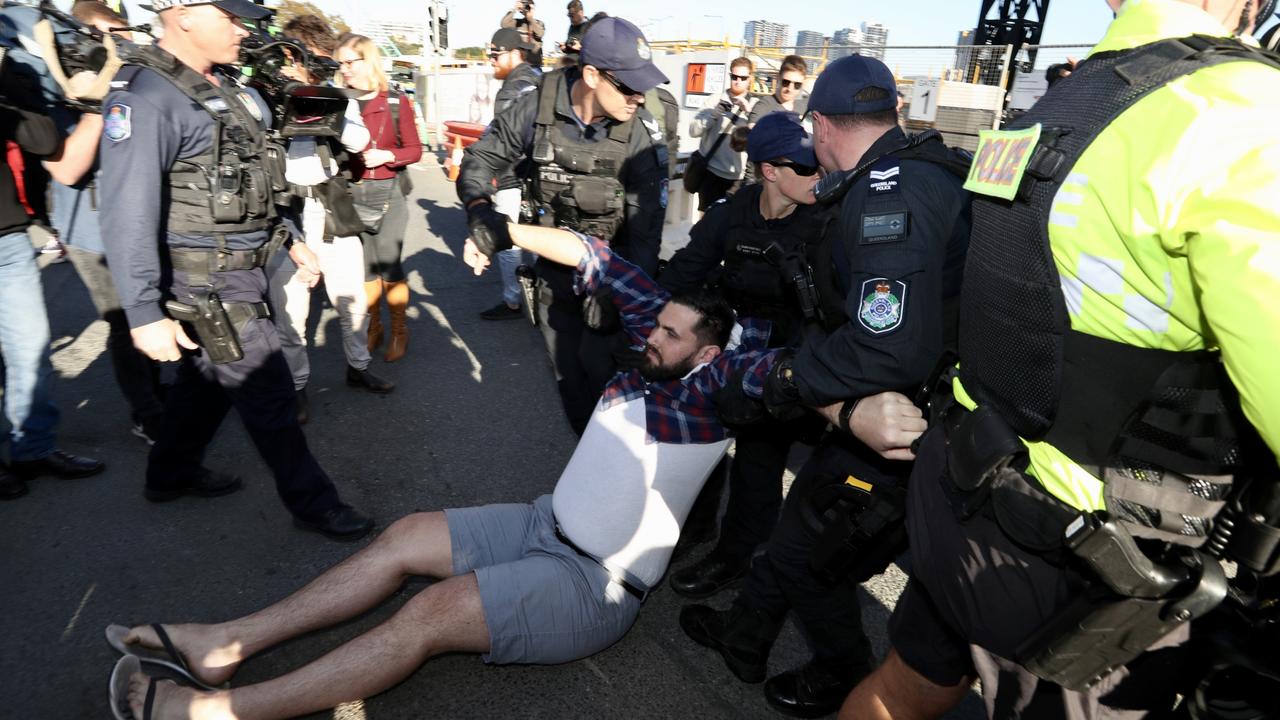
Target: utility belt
(633, 586)
(197, 262)
(1131, 599)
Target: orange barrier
(464, 129)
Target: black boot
(11, 486)
(817, 689)
(741, 636)
(368, 381)
(708, 576)
(303, 407)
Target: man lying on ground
(555, 580)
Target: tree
(406, 47)
(471, 53)
(289, 9)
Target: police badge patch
(116, 125)
(883, 305)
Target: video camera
(297, 108)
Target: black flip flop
(168, 658)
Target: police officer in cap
(890, 264)
(754, 247)
(599, 166)
(183, 159)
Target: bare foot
(174, 702)
(212, 657)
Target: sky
(922, 22)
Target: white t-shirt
(623, 498)
(303, 165)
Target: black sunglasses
(797, 84)
(797, 168)
(621, 86)
(740, 78)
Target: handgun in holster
(797, 273)
(861, 529)
(528, 279)
(1130, 601)
(213, 328)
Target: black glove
(488, 229)
(781, 395)
(735, 407)
(599, 313)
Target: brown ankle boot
(373, 294)
(397, 303)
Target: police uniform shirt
(899, 252)
(148, 125)
(509, 140)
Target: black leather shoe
(303, 406)
(11, 486)
(742, 637)
(502, 311)
(708, 576)
(368, 381)
(57, 464)
(207, 484)
(815, 690)
(341, 523)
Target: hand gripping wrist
(489, 229)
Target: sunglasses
(740, 78)
(621, 87)
(797, 84)
(797, 168)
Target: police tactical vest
(1162, 429)
(578, 183)
(230, 187)
(760, 262)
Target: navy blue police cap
(780, 136)
(615, 45)
(840, 82)
(240, 8)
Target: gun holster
(1130, 602)
(528, 280)
(861, 529)
(216, 325)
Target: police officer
(763, 235)
(1123, 258)
(600, 167)
(509, 55)
(182, 154)
(894, 258)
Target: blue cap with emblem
(240, 8)
(618, 47)
(835, 90)
(779, 136)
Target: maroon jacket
(377, 117)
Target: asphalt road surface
(474, 419)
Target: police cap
(615, 45)
(240, 8)
(839, 83)
(779, 136)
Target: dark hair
(313, 31)
(574, 5)
(86, 11)
(740, 61)
(716, 317)
(853, 121)
(792, 63)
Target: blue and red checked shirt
(677, 411)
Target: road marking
(76, 617)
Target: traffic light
(439, 15)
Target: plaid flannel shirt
(677, 411)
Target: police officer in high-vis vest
(187, 195)
(1111, 432)
(599, 166)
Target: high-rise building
(763, 33)
(809, 44)
(874, 39)
(846, 41)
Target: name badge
(885, 228)
(1001, 160)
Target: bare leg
(414, 545)
(446, 617)
(896, 692)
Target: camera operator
(572, 44)
(75, 195)
(311, 163)
(531, 28)
(24, 323)
(719, 117)
(189, 217)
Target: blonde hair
(368, 50)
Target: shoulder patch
(883, 305)
(116, 123)
(250, 104)
(1001, 160)
(655, 130)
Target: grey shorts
(543, 603)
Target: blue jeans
(24, 345)
(507, 202)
